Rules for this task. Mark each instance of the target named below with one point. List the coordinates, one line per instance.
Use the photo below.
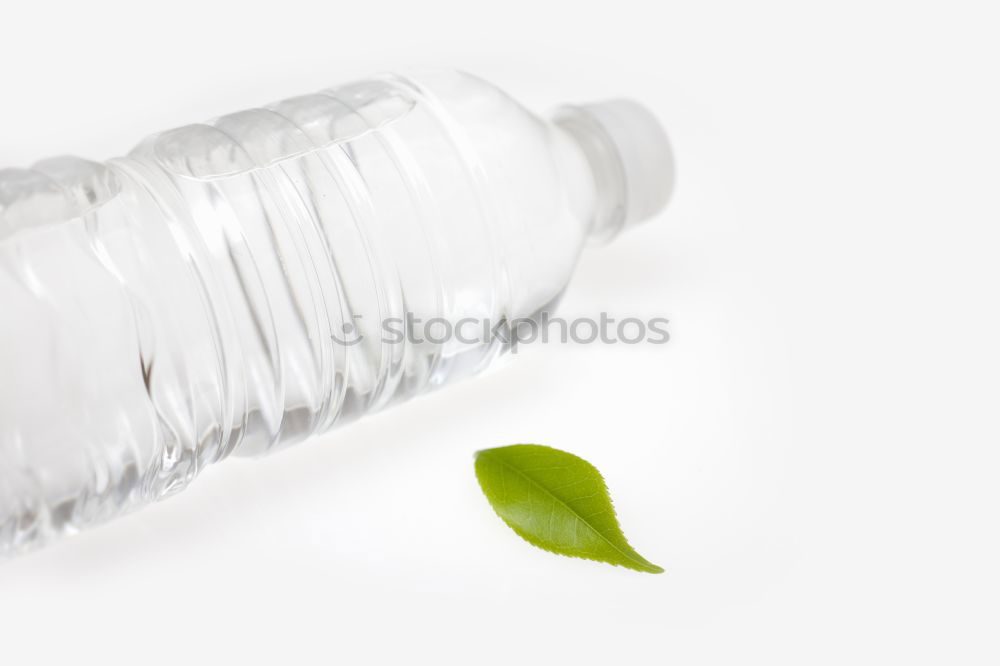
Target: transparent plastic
(193, 300)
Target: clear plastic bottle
(224, 289)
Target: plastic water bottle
(224, 289)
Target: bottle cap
(628, 147)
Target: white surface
(813, 457)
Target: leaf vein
(593, 529)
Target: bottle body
(232, 287)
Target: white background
(813, 457)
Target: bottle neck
(604, 208)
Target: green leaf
(556, 501)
